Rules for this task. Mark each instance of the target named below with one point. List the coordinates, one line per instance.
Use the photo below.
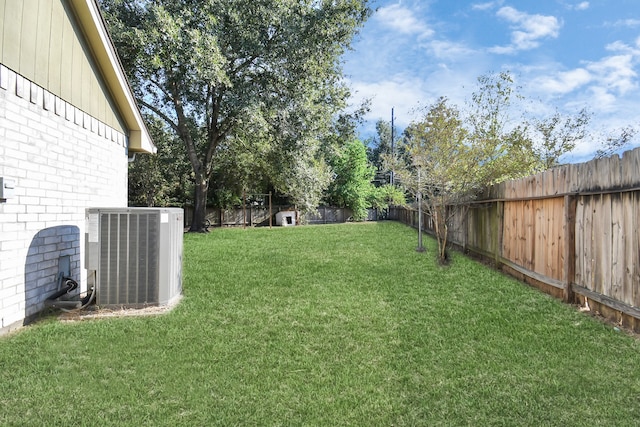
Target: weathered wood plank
(506, 228)
(539, 242)
(616, 288)
(580, 242)
(555, 226)
(539, 277)
(511, 223)
(608, 301)
(635, 262)
(628, 236)
(519, 234)
(589, 237)
(604, 257)
(598, 236)
(528, 234)
(569, 249)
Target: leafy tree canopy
(161, 179)
(351, 186)
(261, 74)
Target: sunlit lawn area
(327, 326)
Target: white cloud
(403, 20)
(607, 78)
(616, 73)
(603, 84)
(448, 50)
(582, 6)
(528, 29)
(400, 91)
(564, 82)
(631, 23)
(487, 5)
(601, 98)
(622, 47)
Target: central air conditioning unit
(136, 254)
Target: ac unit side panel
(171, 255)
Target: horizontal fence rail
(573, 231)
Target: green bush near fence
(326, 326)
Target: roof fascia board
(95, 30)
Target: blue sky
(564, 54)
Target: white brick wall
(63, 161)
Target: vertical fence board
(589, 258)
(538, 224)
(529, 232)
(506, 230)
(606, 259)
(635, 262)
(550, 251)
(617, 248)
(602, 243)
(596, 246)
(500, 224)
(580, 243)
(628, 236)
(515, 215)
(569, 247)
(551, 220)
(518, 233)
(560, 235)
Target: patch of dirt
(95, 312)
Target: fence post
(570, 206)
(244, 210)
(464, 223)
(270, 213)
(500, 233)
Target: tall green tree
(440, 166)
(162, 179)
(224, 72)
(351, 186)
(501, 141)
(380, 146)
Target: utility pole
(391, 177)
(420, 247)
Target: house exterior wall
(42, 41)
(63, 160)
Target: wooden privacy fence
(259, 216)
(573, 231)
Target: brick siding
(63, 161)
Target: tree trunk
(441, 229)
(199, 205)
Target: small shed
(286, 218)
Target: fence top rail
(543, 197)
(614, 174)
(556, 196)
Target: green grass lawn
(327, 326)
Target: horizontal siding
(41, 41)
